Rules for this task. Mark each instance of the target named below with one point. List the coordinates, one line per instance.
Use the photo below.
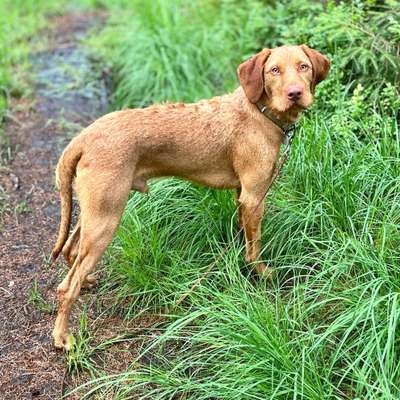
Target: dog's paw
(63, 341)
(264, 271)
(89, 282)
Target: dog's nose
(294, 92)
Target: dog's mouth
(288, 110)
(285, 107)
(298, 105)
(302, 103)
(290, 106)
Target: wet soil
(68, 94)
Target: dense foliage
(186, 50)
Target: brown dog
(226, 142)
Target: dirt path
(66, 97)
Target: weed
(79, 357)
(22, 208)
(37, 300)
(5, 149)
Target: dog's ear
(320, 65)
(250, 75)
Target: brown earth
(66, 97)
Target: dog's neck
(283, 120)
(284, 126)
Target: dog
(227, 142)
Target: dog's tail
(65, 173)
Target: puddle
(67, 85)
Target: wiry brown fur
(224, 143)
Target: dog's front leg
(252, 211)
(239, 208)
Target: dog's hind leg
(100, 216)
(70, 252)
(239, 209)
(70, 249)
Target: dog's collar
(286, 128)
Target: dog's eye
(303, 67)
(275, 70)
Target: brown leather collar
(286, 128)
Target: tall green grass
(326, 326)
(179, 50)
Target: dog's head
(284, 78)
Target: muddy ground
(68, 94)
